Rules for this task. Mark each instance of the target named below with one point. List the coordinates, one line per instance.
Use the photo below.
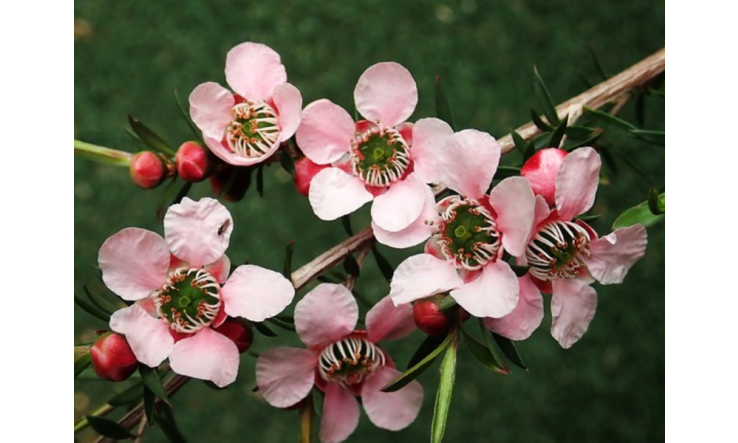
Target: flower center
(557, 249)
(189, 301)
(253, 130)
(379, 156)
(468, 234)
(350, 361)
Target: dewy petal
(385, 321)
(198, 232)
(494, 293)
(401, 205)
(417, 232)
(206, 355)
(256, 293)
(288, 101)
(210, 108)
(253, 70)
(325, 132)
(326, 314)
(134, 263)
(576, 183)
(340, 414)
(386, 92)
(285, 375)
(613, 255)
(421, 276)
(573, 307)
(391, 410)
(514, 202)
(149, 337)
(334, 193)
(429, 136)
(468, 161)
(525, 318)
(220, 269)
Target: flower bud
(148, 169)
(429, 318)
(194, 163)
(112, 357)
(239, 333)
(305, 170)
(541, 170)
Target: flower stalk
(102, 155)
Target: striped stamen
(557, 250)
(349, 361)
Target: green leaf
(149, 400)
(558, 134)
(589, 218)
(127, 397)
(108, 428)
(640, 109)
(429, 345)
(443, 109)
(520, 143)
(165, 420)
(164, 198)
(637, 214)
(483, 355)
(544, 98)
(151, 379)
(149, 137)
(543, 126)
(412, 373)
(506, 171)
(98, 301)
(654, 137)
(656, 202)
(346, 222)
(281, 324)
(519, 270)
(508, 348)
(195, 131)
(91, 308)
(598, 64)
(487, 335)
(287, 268)
(82, 359)
(287, 163)
(606, 119)
(586, 142)
(351, 266)
(260, 180)
(445, 389)
(181, 194)
(383, 264)
(578, 132)
(264, 329)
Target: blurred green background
(130, 56)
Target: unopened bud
(112, 357)
(541, 170)
(194, 163)
(148, 169)
(305, 170)
(239, 333)
(429, 318)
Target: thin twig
(141, 427)
(361, 254)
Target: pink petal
(148, 336)
(542, 211)
(514, 202)
(576, 184)
(288, 101)
(387, 322)
(256, 293)
(224, 153)
(326, 314)
(206, 355)
(541, 170)
(573, 307)
(613, 255)
(386, 92)
(406, 131)
(391, 410)
(134, 263)
(417, 231)
(401, 205)
(325, 132)
(421, 276)
(494, 293)
(468, 162)
(198, 232)
(220, 269)
(429, 136)
(525, 318)
(285, 375)
(334, 193)
(210, 108)
(253, 70)
(340, 414)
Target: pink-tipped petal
(541, 170)
(325, 132)
(525, 318)
(326, 314)
(340, 414)
(134, 262)
(391, 410)
(468, 161)
(417, 232)
(397, 208)
(385, 321)
(288, 101)
(493, 294)
(285, 375)
(421, 276)
(206, 355)
(429, 136)
(198, 232)
(220, 269)
(386, 92)
(256, 293)
(253, 70)
(573, 307)
(614, 254)
(542, 211)
(334, 193)
(576, 183)
(149, 337)
(514, 202)
(210, 108)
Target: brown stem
(361, 254)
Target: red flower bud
(305, 170)
(112, 357)
(194, 163)
(429, 318)
(148, 169)
(541, 171)
(239, 334)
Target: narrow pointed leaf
(260, 180)
(412, 373)
(489, 342)
(98, 301)
(384, 266)
(544, 98)
(656, 202)
(108, 428)
(443, 108)
(429, 345)
(196, 132)
(351, 266)
(519, 270)
(281, 324)
(127, 397)
(165, 420)
(506, 171)
(578, 132)
(445, 389)
(589, 218)
(181, 194)
(508, 348)
(287, 268)
(542, 125)
(152, 380)
(164, 198)
(606, 119)
(558, 134)
(91, 309)
(149, 137)
(346, 222)
(586, 142)
(482, 354)
(82, 359)
(640, 109)
(287, 163)
(637, 214)
(149, 400)
(264, 329)
(520, 144)
(654, 137)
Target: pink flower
(470, 231)
(176, 284)
(565, 256)
(381, 158)
(342, 362)
(247, 127)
